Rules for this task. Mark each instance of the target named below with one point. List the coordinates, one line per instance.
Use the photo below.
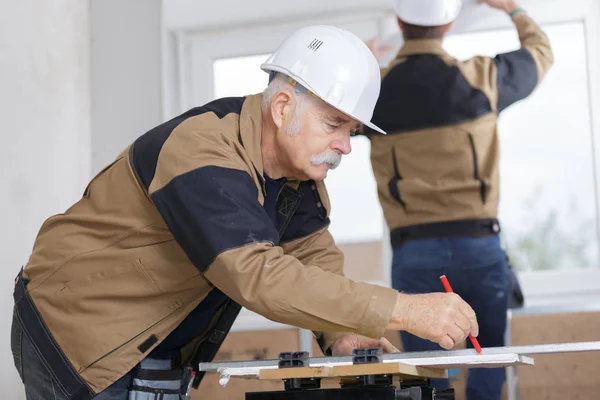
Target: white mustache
(330, 157)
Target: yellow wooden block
(395, 368)
(299, 372)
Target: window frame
(543, 288)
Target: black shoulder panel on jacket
(211, 210)
(517, 77)
(424, 92)
(147, 147)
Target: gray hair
(277, 83)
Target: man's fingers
(463, 323)
(446, 343)
(475, 329)
(457, 335)
(468, 312)
(387, 346)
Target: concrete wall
(126, 74)
(80, 80)
(45, 135)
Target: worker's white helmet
(334, 65)
(427, 12)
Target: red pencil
(449, 290)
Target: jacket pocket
(105, 309)
(393, 183)
(142, 333)
(483, 186)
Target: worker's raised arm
(535, 41)
(512, 76)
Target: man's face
(316, 138)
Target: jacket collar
(421, 46)
(251, 130)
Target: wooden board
(300, 372)
(389, 369)
(333, 372)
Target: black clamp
(293, 359)
(367, 356)
(297, 359)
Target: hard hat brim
(375, 128)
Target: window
(547, 172)
(239, 76)
(357, 215)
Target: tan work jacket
(175, 223)
(439, 161)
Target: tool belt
(460, 228)
(155, 379)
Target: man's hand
(345, 344)
(507, 6)
(379, 52)
(443, 318)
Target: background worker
(437, 169)
(221, 207)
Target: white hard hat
(334, 65)
(427, 12)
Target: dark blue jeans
(478, 271)
(40, 384)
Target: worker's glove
(443, 318)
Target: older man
(221, 207)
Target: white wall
(45, 135)
(45, 94)
(194, 14)
(126, 74)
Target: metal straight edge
(392, 357)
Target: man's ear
(281, 108)
(400, 24)
(448, 27)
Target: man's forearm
(533, 38)
(511, 7)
